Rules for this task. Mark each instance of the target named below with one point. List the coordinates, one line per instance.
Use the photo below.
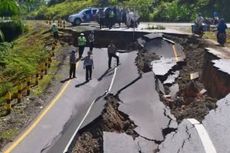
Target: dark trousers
(110, 23)
(81, 50)
(110, 58)
(91, 45)
(55, 34)
(72, 70)
(88, 75)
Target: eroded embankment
(190, 101)
(216, 82)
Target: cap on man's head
(82, 34)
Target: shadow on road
(81, 84)
(105, 73)
(67, 79)
(129, 84)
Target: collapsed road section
(168, 69)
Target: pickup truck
(84, 16)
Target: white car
(85, 15)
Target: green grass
(63, 9)
(212, 36)
(43, 84)
(23, 57)
(9, 134)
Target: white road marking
(87, 113)
(75, 132)
(205, 139)
(114, 75)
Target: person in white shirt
(88, 66)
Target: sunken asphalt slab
(217, 123)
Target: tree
(30, 5)
(9, 8)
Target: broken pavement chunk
(203, 91)
(118, 143)
(161, 67)
(171, 78)
(222, 65)
(194, 76)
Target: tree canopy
(9, 8)
(150, 10)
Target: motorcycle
(221, 38)
(198, 30)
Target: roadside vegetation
(61, 9)
(20, 59)
(150, 10)
(212, 35)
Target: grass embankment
(21, 59)
(62, 9)
(212, 36)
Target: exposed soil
(90, 139)
(144, 59)
(185, 105)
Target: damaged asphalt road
(121, 110)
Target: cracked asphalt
(139, 100)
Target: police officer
(81, 44)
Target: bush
(11, 29)
(172, 11)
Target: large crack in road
(147, 102)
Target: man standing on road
(73, 60)
(91, 41)
(111, 18)
(81, 44)
(112, 53)
(88, 66)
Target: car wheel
(77, 21)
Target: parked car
(84, 16)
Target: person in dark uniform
(73, 60)
(112, 53)
(91, 40)
(88, 66)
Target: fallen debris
(194, 76)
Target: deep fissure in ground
(90, 138)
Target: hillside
(150, 10)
